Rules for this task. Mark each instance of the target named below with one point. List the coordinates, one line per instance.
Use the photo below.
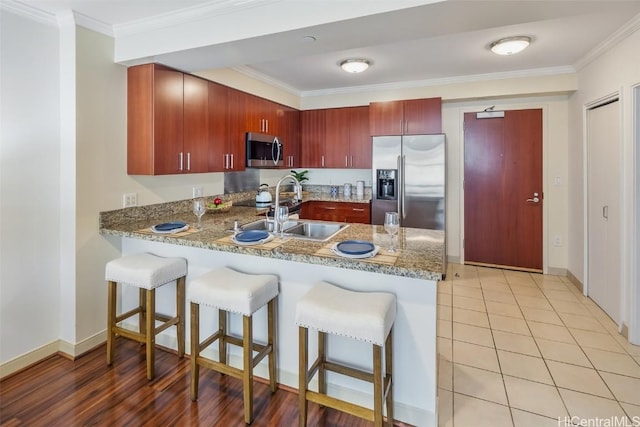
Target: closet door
(604, 184)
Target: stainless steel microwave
(263, 151)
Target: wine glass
(392, 226)
(282, 216)
(199, 210)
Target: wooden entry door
(503, 190)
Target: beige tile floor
(521, 349)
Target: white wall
(616, 71)
(29, 185)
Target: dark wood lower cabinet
(337, 211)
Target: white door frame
(634, 291)
(611, 97)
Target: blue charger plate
(252, 236)
(168, 226)
(355, 247)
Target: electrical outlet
(197, 192)
(557, 180)
(129, 200)
(557, 240)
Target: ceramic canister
(360, 188)
(347, 189)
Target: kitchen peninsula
(411, 274)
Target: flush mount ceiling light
(354, 65)
(510, 45)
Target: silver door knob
(535, 198)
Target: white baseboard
(556, 271)
(66, 349)
(18, 363)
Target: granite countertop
(420, 253)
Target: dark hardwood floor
(87, 392)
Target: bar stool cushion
(145, 270)
(230, 290)
(364, 316)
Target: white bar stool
(146, 272)
(364, 316)
(230, 291)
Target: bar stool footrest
(340, 405)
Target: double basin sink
(310, 230)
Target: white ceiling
(432, 42)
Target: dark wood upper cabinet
(348, 144)
(289, 125)
(157, 114)
(235, 159)
(409, 117)
(218, 127)
(359, 139)
(312, 137)
(180, 123)
(196, 141)
(336, 146)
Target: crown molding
(186, 15)
(93, 24)
(250, 72)
(622, 33)
(39, 15)
(29, 12)
(535, 72)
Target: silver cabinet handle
(346, 161)
(322, 161)
(188, 161)
(231, 155)
(180, 158)
(357, 210)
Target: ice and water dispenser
(387, 184)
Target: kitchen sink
(311, 230)
(263, 224)
(315, 230)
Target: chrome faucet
(277, 201)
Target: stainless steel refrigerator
(409, 178)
